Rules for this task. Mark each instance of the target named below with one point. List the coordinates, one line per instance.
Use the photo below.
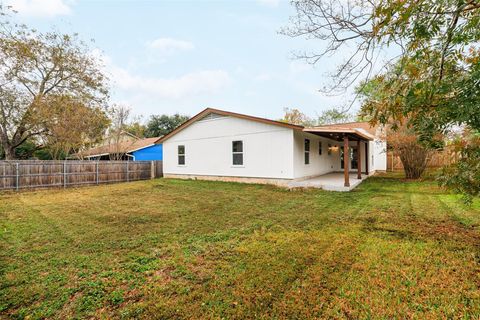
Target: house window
(320, 147)
(237, 151)
(307, 151)
(181, 155)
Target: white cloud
(41, 8)
(185, 86)
(146, 94)
(170, 45)
(269, 3)
(261, 77)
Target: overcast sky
(184, 56)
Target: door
(353, 157)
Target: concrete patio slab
(331, 181)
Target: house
(125, 149)
(222, 145)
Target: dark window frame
(181, 155)
(306, 149)
(237, 153)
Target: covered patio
(341, 181)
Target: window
(320, 147)
(307, 151)
(237, 151)
(181, 155)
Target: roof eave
(362, 135)
(226, 113)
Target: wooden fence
(436, 159)
(26, 174)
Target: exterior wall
(380, 150)
(319, 164)
(325, 163)
(267, 149)
(154, 152)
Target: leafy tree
(71, 125)
(160, 125)
(332, 116)
(35, 66)
(431, 83)
(464, 175)
(26, 150)
(295, 116)
(136, 128)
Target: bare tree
(363, 29)
(116, 141)
(342, 26)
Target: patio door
(353, 157)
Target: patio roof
(338, 133)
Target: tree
(332, 116)
(431, 81)
(295, 116)
(119, 123)
(35, 66)
(464, 175)
(71, 126)
(435, 68)
(363, 29)
(413, 155)
(163, 124)
(136, 128)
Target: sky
(164, 57)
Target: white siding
(322, 164)
(208, 149)
(380, 155)
(379, 150)
(319, 164)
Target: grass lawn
(194, 249)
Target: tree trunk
(9, 152)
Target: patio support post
(346, 161)
(359, 157)
(366, 158)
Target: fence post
(64, 173)
(128, 174)
(96, 172)
(17, 181)
(152, 169)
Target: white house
(221, 145)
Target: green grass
(196, 249)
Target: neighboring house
(126, 149)
(221, 145)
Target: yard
(193, 249)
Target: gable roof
(207, 111)
(121, 147)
